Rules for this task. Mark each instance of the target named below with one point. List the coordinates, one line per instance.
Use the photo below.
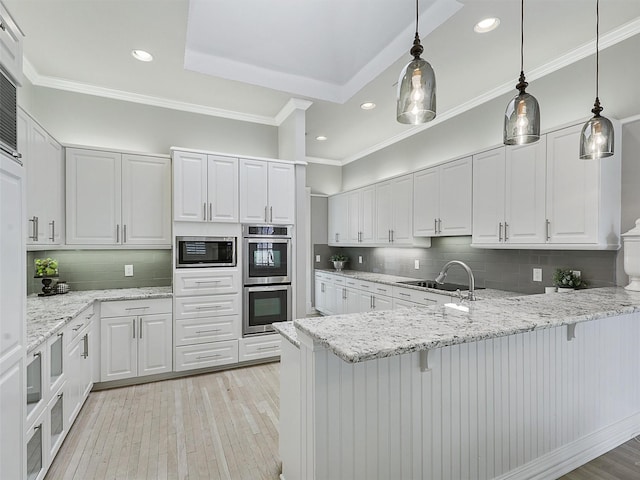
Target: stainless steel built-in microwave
(200, 252)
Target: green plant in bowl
(565, 278)
(338, 258)
(46, 267)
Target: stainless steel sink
(448, 287)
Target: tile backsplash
(102, 269)
(501, 269)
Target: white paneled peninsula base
(520, 388)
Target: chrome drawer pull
(208, 281)
(208, 331)
(403, 294)
(135, 308)
(208, 356)
(267, 348)
(212, 307)
(77, 327)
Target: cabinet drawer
(417, 296)
(382, 289)
(206, 282)
(206, 307)
(262, 346)
(78, 324)
(206, 355)
(123, 308)
(205, 330)
(400, 303)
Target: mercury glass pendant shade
(522, 120)
(596, 138)
(417, 93)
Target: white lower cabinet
(135, 338)
(259, 347)
(36, 450)
(79, 367)
(205, 355)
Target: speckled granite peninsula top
(288, 331)
(366, 336)
(394, 280)
(48, 315)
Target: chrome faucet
(442, 275)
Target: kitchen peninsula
(518, 387)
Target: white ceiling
(244, 59)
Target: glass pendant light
(522, 117)
(416, 87)
(596, 139)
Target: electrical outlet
(416, 264)
(577, 273)
(317, 258)
(537, 274)
(128, 270)
(359, 258)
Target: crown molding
(291, 106)
(324, 161)
(614, 37)
(77, 87)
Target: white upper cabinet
(42, 157)
(338, 219)
(118, 200)
(394, 211)
(542, 195)
(583, 196)
(361, 215)
(267, 192)
(442, 200)
(10, 46)
(205, 188)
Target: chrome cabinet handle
(77, 327)
(548, 223)
(435, 225)
(267, 348)
(208, 307)
(60, 394)
(206, 281)
(210, 211)
(506, 235)
(118, 233)
(208, 356)
(439, 225)
(266, 218)
(34, 230)
(135, 308)
(338, 237)
(500, 232)
(134, 327)
(85, 354)
(204, 211)
(271, 214)
(37, 354)
(402, 294)
(140, 328)
(344, 293)
(37, 427)
(53, 230)
(208, 331)
(389, 235)
(124, 234)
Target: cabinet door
(367, 214)
(426, 202)
(319, 295)
(155, 344)
(93, 197)
(402, 213)
(353, 217)
(525, 193)
(253, 191)
(365, 301)
(118, 348)
(384, 212)
(222, 189)
(572, 189)
(12, 401)
(86, 366)
(380, 302)
(72, 386)
(338, 219)
(351, 300)
(455, 197)
(146, 200)
(488, 196)
(189, 187)
(282, 193)
(53, 184)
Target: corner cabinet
(42, 156)
(205, 187)
(442, 200)
(267, 192)
(118, 199)
(543, 196)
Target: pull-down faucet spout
(442, 275)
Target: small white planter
(565, 289)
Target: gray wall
(100, 269)
(502, 269)
(324, 179)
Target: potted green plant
(338, 261)
(566, 280)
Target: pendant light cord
(597, 45)
(522, 36)
(416, 17)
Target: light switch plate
(416, 264)
(128, 270)
(359, 258)
(317, 258)
(537, 274)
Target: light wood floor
(217, 426)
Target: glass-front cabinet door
(34, 384)
(35, 457)
(56, 367)
(56, 422)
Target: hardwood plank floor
(222, 425)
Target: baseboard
(572, 455)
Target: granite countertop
(394, 280)
(46, 316)
(366, 336)
(288, 331)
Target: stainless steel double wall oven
(267, 254)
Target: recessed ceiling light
(486, 25)
(321, 138)
(368, 106)
(142, 55)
